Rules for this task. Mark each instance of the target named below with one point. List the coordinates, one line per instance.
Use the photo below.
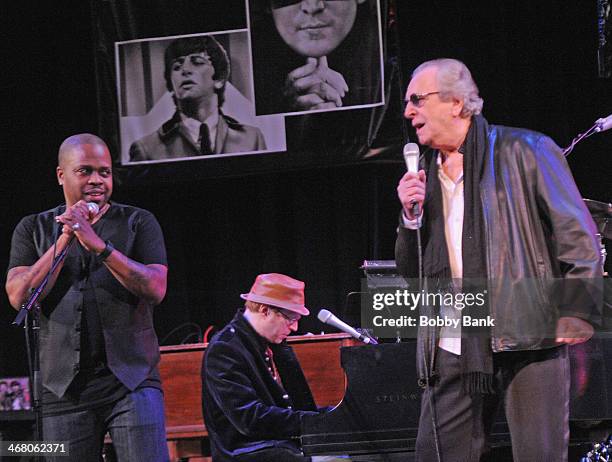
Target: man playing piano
(254, 390)
(498, 204)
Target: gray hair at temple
(455, 81)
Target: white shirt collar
(193, 127)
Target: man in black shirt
(98, 348)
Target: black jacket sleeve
(233, 388)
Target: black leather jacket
(543, 258)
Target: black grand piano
(377, 419)
(380, 410)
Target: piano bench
(188, 442)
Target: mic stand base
(32, 330)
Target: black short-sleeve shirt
(89, 321)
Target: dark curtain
(317, 225)
(535, 63)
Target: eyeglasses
(417, 99)
(289, 319)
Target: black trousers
(534, 387)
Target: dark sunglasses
(417, 99)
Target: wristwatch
(108, 249)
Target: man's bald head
(85, 169)
(75, 141)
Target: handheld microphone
(603, 124)
(411, 157)
(93, 209)
(26, 307)
(327, 317)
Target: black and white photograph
(316, 55)
(190, 97)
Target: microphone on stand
(603, 124)
(325, 316)
(411, 157)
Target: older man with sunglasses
(254, 391)
(501, 215)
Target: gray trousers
(534, 387)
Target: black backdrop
(535, 65)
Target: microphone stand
(32, 329)
(30, 312)
(591, 131)
(35, 295)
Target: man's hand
(21, 279)
(572, 330)
(77, 220)
(411, 190)
(315, 86)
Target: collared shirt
(193, 128)
(452, 201)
